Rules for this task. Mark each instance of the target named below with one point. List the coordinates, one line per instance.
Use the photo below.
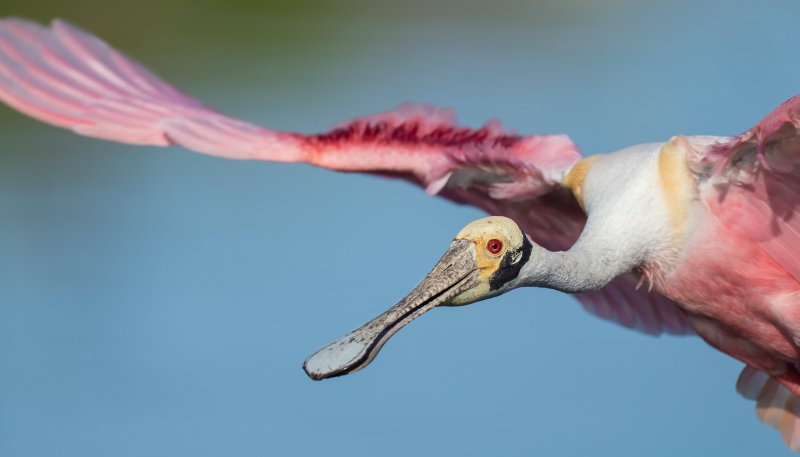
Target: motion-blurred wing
(757, 184)
(66, 77)
(624, 302)
(776, 405)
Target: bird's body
(690, 249)
(693, 235)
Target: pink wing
(758, 184)
(66, 77)
(631, 306)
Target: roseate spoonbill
(693, 235)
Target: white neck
(581, 269)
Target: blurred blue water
(159, 302)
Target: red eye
(494, 246)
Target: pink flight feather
(762, 190)
(69, 78)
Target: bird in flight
(695, 235)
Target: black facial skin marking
(507, 271)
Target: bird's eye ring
(494, 246)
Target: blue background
(156, 302)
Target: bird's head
(484, 260)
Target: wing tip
(776, 404)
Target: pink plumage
(738, 286)
(66, 77)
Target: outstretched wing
(66, 77)
(756, 175)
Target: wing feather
(66, 77)
(758, 178)
(649, 312)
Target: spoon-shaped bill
(454, 274)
